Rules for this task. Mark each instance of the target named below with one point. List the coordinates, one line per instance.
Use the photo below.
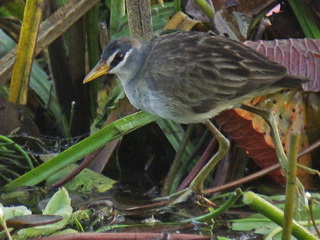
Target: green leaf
(87, 181)
(10, 212)
(59, 204)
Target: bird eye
(117, 58)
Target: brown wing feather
(208, 69)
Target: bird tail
(291, 81)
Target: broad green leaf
(87, 181)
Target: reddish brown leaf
(252, 134)
(240, 129)
(300, 56)
(33, 220)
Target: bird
(190, 77)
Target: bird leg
(197, 183)
(268, 116)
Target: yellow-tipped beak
(100, 69)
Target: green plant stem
(72, 114)
(278, 230)
(224, 207)
(275, 214)
(273, 233)
(176, 5)
(19, 149)
(174, 133)
(191, 159)
(205, 7)
(168, 187)
(314, 222)
(25, 52)
(4, 225)
(5, 169)
(290, 186)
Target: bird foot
(184, 195)
(177, 197)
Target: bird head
(115, 58)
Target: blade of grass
(304, 18)
(114, 130)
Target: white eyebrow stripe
(119, 66)
(110, 59)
